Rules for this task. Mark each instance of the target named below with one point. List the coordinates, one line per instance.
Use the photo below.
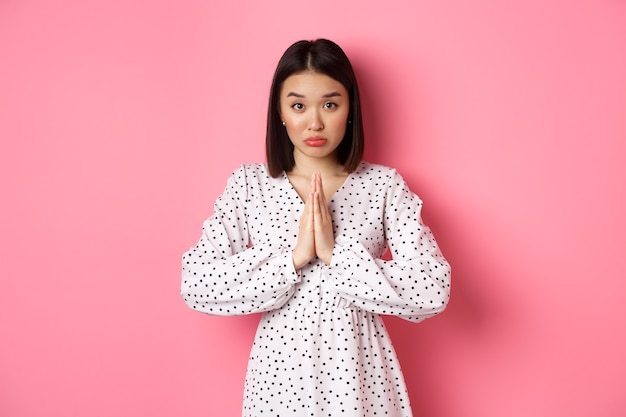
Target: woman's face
(314, 108)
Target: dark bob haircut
(324, 57)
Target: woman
(301, 240)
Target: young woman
(301, 240)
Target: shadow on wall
(471, 319)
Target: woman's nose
(316, 122)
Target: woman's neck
(328, 167)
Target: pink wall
(120, 122)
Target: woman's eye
(297, 106)
(329, 105)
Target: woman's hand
(322, 223)
(304, 250)
(315, 235)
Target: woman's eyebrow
(328, 95)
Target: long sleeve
(415, 284)
(222, 274)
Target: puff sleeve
(415, 283)
(222, 274)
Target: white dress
(321, 348)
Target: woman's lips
(315, 141)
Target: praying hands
(315, 235)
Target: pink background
(121, 120)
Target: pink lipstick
(315, 141)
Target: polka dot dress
(321, 348)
